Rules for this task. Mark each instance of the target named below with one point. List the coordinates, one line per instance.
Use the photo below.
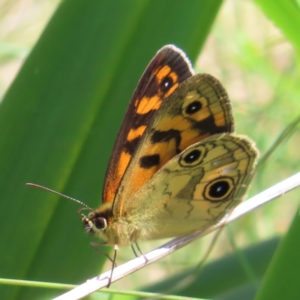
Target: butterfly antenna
(57, 193)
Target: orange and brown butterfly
(176, 166)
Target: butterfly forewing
(161, 78)
(198, 109)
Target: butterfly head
(96, 222)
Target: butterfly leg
(116, 248)
(140, 251)
(95, 246)
(133, 250)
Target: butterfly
(176, 167)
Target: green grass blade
(282, 277)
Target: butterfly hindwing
(161, 78)
(194, 190)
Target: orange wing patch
(135, 133)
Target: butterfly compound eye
(100, 223)
(219, 189)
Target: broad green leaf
(59, 120)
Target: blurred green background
(67, 72)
